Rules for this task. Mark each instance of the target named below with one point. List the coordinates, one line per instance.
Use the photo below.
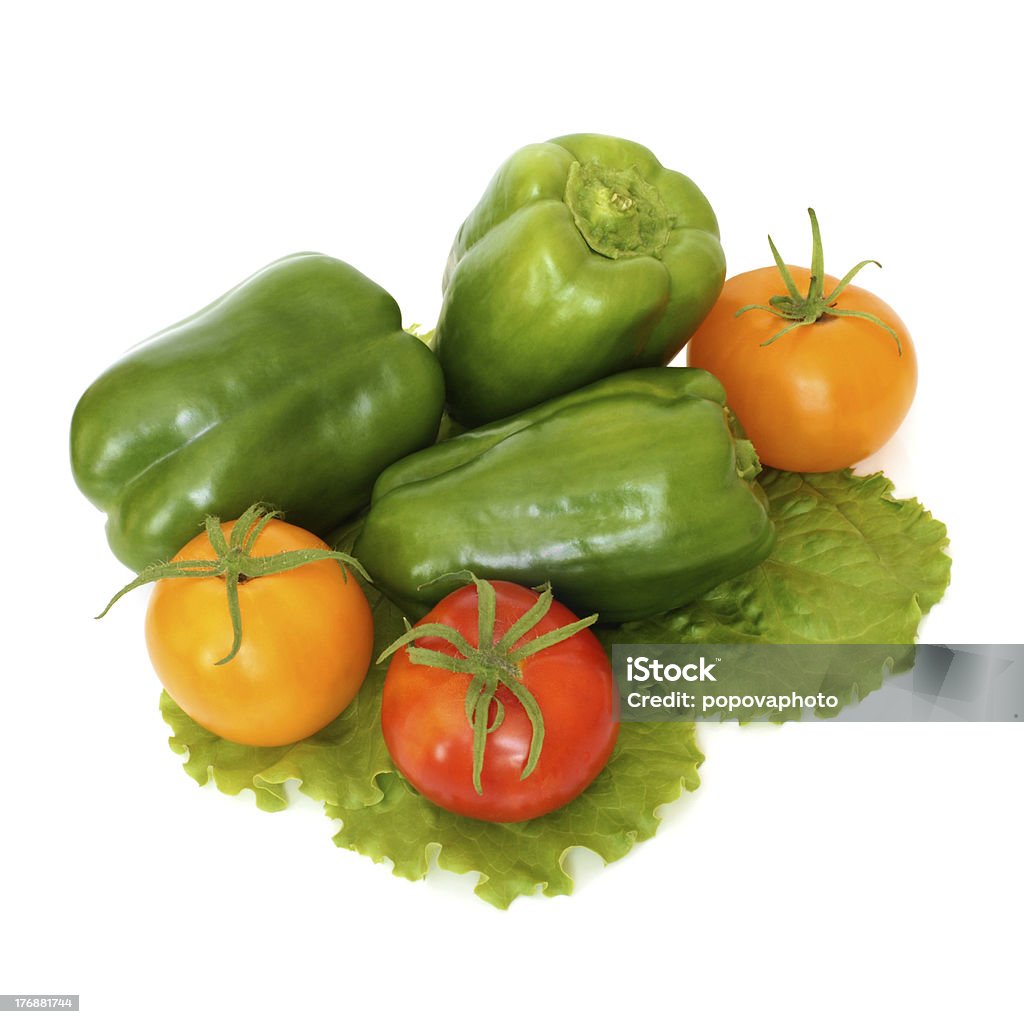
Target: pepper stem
(810, 308)
(491, 664)
(619, 213)
(236, 564)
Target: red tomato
(430, 739)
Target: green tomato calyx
(618, 212)
(810, 308)
(492, 663)
(236, 564)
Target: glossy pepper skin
(631, 496)
(583, 258)
(296, 388)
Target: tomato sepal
(810, 308)
(236, 564)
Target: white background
(157, 154)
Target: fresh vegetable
(295, 388)
(631, 496)
(499, 704)
(881, 566)
(584, 257)
(494, 739)
(256, 629)
(820, 372)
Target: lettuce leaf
(652, 764)
(851, 565)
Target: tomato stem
(491, 664)
(236, 564)
(810, 308)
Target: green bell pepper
(296, 388)
(631, 496)
(583, 258)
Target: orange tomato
(823, 396)
(307, 638)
